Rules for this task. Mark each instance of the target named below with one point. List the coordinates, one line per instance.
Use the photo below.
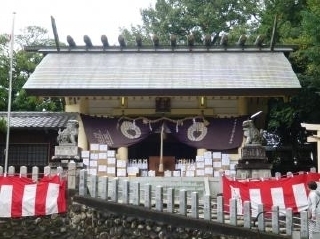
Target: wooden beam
(313, 127)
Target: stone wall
(83, 222)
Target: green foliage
(197, 17)
(3, 125)
(24, 63)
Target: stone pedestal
(253, 162)
(67, 150)
(63, 154)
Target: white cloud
(74, 17)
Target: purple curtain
(211, 133)
(115, 132)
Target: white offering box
(94, 147)
(207, 154)
(85, 154)
(94, 156)
(121, 163)
(190, 173)
(93, 163)
(151, 173)
(176, 173)
(225, 159)
(132, 170)
(111, 171)
(92, 171)
(200, 165)
(111, 153)
(199, 158)
(216, 155)
(208, 171)
(168, 173)
(216, 164)
(121, 172)
(200, 172)
(208, 161)
(112, 161)
(216, 173)
(102, 155)
(103, 147)
(85, 161)
(102, 168)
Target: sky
(73, 17)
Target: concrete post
(183, 202)
(35, 174)
(247, 214)
(277, 175)
(233, 211)
(261, 221)
(289, 221)
(147, 196)
(304, 228)
(115, 193)
(83, 182)
(23, 171)
(72, 167)
(60, 172)
(11, 171)
(275, 219)
(207, 207)
(170, 200)
(195, 205)
(94, 186)
(125, 191)
(103, 182)
(136, 194)
(159, 198)
(47, 171)
(220, 209)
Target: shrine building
(165, 101)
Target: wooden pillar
(82, 138)
(76, 104)
(242, 106)
(314, 139)
(122, 153)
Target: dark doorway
(171, 147)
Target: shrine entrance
(171, 147)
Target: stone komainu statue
(69, 136)
(252, 134)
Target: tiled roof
(52, 120)
(163, 73)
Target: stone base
(253, 173)
(253, 152)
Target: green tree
(197, 17)
(298, 23)
(24, 63)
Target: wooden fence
(182, 202)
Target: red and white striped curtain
(289, 192)
(21, 197)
